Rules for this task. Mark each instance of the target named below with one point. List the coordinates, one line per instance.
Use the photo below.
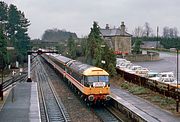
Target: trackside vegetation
(13, 33)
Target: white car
(123, 65)
(119, 61)
(132, 69)
(166, 77)
(142, 72)
(153, 75)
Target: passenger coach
(91, 82)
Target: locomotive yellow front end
(97, 85)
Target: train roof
(80, 67)
(62, 59)
(86, 69)
(94, 71)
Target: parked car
(133, 68)
(142, 72)
(123, 65)
(153, 75)
(166, 77)
(119, 61)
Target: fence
(160, 87)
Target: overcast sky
(78, 15)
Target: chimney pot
(122, 23)
(122, 28)
(107, 26)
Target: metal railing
(11, 82)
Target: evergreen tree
(17, 32)
(14, 27)
(93, 50)
(98, 53)
(136, 48)
(60, 48)
(71, 47)
(110, 59)
(13, 22)
(3, 14)
(3, 11)
(3, 44)
(22, 36)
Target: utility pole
(157, 37)
(177, 99)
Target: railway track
(103, 113)
(52, 109)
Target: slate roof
(150, 44)
(113, 32)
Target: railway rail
(104, 113)
(12, 81)
(51, 106)
(112, 113)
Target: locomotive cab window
(97, 78)
(103, 78)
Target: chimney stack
(107, 26)
(122, 28)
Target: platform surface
(24, 106)
(143, 107)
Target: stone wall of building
(122, 44)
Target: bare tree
(175, 32)
(147, 30)
(170, 32)
(166, 31)
(138, 31)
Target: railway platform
(141, 107)
(22, 104)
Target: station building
(117, 38)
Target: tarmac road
(168, 62)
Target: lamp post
(177, 99)
(103, 61)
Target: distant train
(92, 83)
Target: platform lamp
(177, 99)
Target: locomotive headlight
(108, 97)
(91, 97)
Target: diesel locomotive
(92, 83)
